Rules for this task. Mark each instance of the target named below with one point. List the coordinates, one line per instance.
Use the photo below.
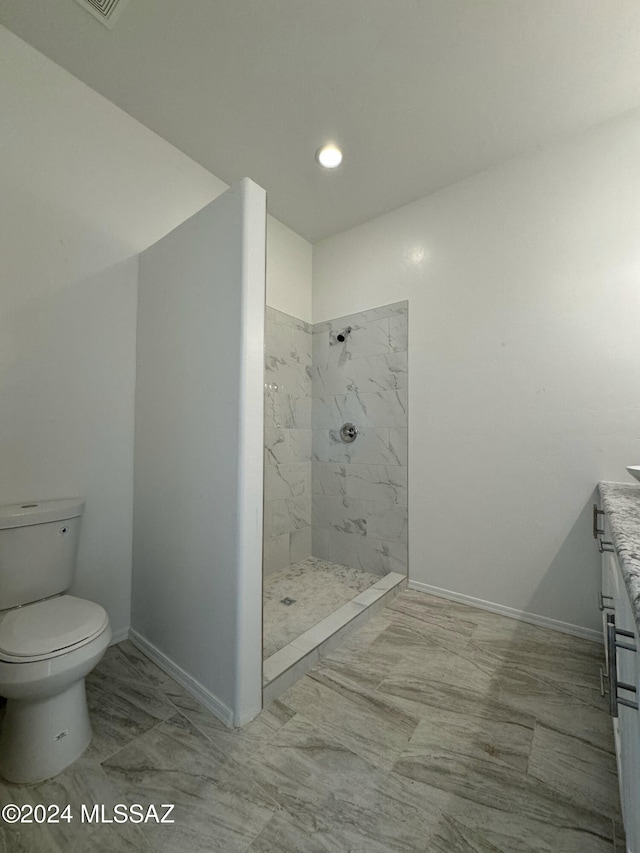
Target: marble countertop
(621, 502)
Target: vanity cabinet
(620, 681)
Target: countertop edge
(621, 503)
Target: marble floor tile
(534, 694)
(364, 722)
(143, 665)
(434, 727)
(502, 788)
(22, 838)
(475, 739)
(619, 839)
(15, 839)
(238, 744)
(84, 783)
(353, 665)
(438, 629)
(121, 704)
(468, 827)
(217, 806)
(324, 786)
(345, 675)
(418, 604)
(452, 835)
(456, 679)
(570, 662)
(283, 835)
(318, 589)
(433, 615)
(565, 763)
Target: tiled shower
(287, 440)
(334, 508)
(359, 503)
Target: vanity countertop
(621, 502)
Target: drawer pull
(601, 604)
(606, 546)
(596, 530)
(603, 678)
(614, 685)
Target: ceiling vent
(106, 11)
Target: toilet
(49, 641)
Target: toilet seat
(49, 628)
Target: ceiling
(419, 93)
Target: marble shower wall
(287, 474)
(359, 509)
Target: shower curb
(287, 665)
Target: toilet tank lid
(39, 512)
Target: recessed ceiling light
(329, 156)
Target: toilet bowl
(48, 643)
(46, 724)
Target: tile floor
(435, 727)
(317, 587)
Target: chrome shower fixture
(342, 336)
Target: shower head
(344, 334)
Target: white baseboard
(119, 636)
(217, 708)
(510, 612)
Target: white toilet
(49, 641)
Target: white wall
(524, 363)
(197, 592)
(66, 385)
(289, 271)
(84, 188)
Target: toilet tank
(38, 548)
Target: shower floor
(315, 589)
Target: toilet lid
(50, 625)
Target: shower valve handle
(348, 433)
